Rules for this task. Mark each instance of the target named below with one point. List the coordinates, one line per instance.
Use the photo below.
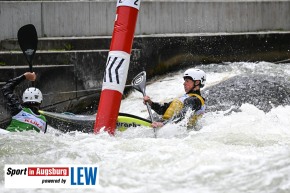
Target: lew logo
(83, 176)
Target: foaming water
(237, 152)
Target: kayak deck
(71, 122)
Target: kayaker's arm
(8, 92)
(160, 108)
(157, 107)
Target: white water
(244, 152)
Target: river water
(244, 151)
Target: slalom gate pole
(117, 65)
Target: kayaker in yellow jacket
(175, 111)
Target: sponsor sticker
(29, 52)
(51, 176)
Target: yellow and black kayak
(71, 122)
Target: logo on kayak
(127, 125)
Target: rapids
(234, 151)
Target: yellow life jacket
(177, 104)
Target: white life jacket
(27, 120)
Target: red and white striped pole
(117, 65)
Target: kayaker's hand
(31, 76)
(157, 124)
(146, 99)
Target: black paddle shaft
(139, 83)
(27, 39)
